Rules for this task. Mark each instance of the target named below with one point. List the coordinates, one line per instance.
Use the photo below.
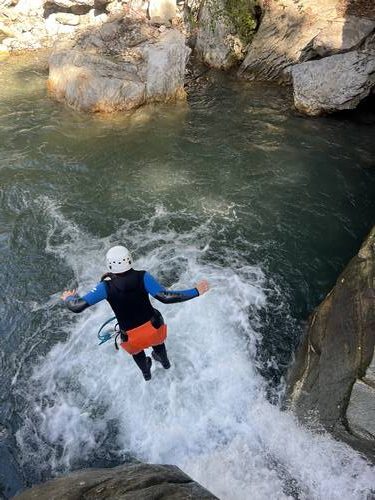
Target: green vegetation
(242, 15)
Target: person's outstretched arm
(154, 288)
(77, 304)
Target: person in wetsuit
(127, 292)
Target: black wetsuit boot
(159, 353)
(144, 363)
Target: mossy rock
(243, 16)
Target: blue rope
(104, 337)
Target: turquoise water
(232, 186)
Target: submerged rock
(131, 482)
(125, 64)
(330, 369)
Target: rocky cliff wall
(333, 378)
(324, 48)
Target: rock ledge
(128, 482)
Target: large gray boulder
(335, 83)
(126, 482)
(94, 83)
(337, 350)
(124, 65)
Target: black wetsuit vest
(129, 299)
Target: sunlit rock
(335, 83)
(93, 83)
(120, 67)
(7, 3)
(162, 11)
(29, 6)
(292, 32)
(165, 70)
(342, 34)
(286, 29)
(68, 19)
(55, 24)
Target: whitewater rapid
(209, 414)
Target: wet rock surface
(130, 482)
(329, 376)
(361, 409)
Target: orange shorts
(144, 336)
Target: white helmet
(119, 259)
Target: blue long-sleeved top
(152, 286)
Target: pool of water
(232, 186)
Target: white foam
(208, 413)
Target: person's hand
(202, 287)
(68, 293)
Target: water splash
(209, 414)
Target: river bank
(122, 54)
